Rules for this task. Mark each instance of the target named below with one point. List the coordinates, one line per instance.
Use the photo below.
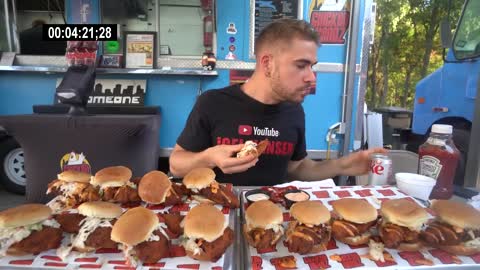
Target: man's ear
(266, 62)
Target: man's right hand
(224, 157)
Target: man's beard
(282, 92)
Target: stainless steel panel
(368, 25)
(60, 69)
(348, 94)
(173, 63)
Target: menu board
(271, 10)
(267, 11)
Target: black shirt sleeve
(300, 151)
(195, 136)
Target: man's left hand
(357, 163)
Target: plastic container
(415, 185)
(293, 196)
(256, 195)
(438, 159)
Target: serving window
(185, 28)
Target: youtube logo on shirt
(245, 130)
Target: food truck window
(180, 24)
(30, 16)
(181, 27)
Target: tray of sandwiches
(366, 227)
(113, 221)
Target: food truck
(179, 34)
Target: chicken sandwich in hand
(72, 188)
(28, 229)
(141, 236)
(456, 229)
(206, 233)
(252, 148)
(309, 231)
(201, 182)
(353, 219)
(115, 185)
(401, 223)
(263, 224)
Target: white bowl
(415, 185)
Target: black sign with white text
(123, 93)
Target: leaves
(406, 48)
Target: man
(270, 101)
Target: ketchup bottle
(438, 158)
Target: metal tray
(246, 255)
(231, 261)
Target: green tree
(406, 48)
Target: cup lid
(442, 129)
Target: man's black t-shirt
(229, 116)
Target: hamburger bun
(354, 210)
(310, 212)
(74, 176)
(199, 178)
(456, 213)
(134, 226)
(100, 209)
(404, 212)
(461, 250)
(154, 187)
(115, 176)
(23, 215)
(262, 214)
(204, 221)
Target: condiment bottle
(438, 158)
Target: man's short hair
(285, 30)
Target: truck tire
(461, 138)
(12, 173)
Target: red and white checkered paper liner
(114, 259)
(342, 256)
